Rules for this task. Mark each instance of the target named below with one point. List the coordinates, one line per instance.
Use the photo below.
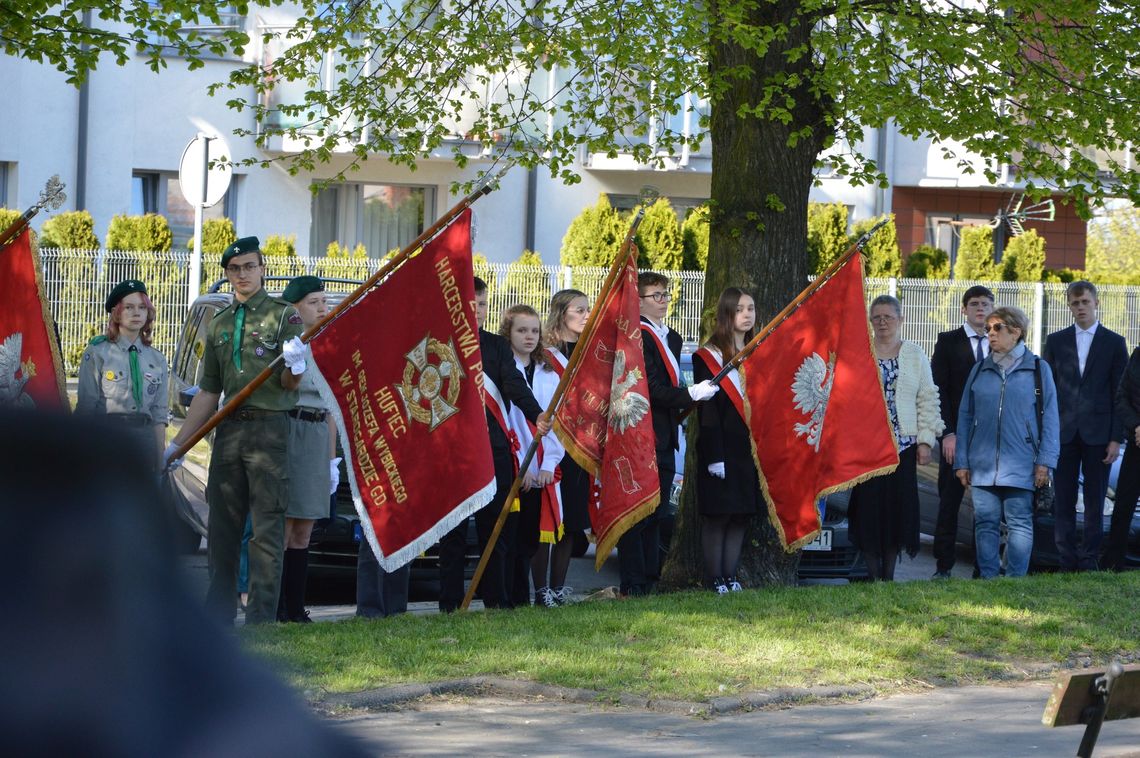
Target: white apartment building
(118, 142)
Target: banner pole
(234, 402)
(783, 315)
(556, 398)
(52, 194)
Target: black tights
(881, 566)
(556, 559)
(722, 539)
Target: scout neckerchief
(136, 376)
(710, 356)
(667, 356)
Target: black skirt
(575, 485)
(883, 514)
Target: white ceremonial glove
(167, 463)
(703, 391)
(334, 475)
(293, 352)
(717, 469)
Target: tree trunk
(757, 239)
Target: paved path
(945, 722)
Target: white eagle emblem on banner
(627, 407)
(811, 390)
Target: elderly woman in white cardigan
(883, 514)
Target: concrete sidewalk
(944, 722)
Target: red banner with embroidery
(407, 399)
(604, 420)
(815, 405)
(31, 372)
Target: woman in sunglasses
(1008, 441)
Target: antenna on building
(1010, 220)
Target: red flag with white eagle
(815, 405)
(402, 370)
(31, 372)
(604, 420)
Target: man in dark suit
(499, 377)
(955, 353)
(1087, 360)
(639, 547)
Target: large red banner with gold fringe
(604, 420)
(815, 405)
(403, 371)
(31, 372)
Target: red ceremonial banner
(31, 372)
(815, 405)
(604, 421)
(403, 373)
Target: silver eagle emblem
(627, 407)
(14, 375)
(811, 390)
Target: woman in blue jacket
(1011, 441)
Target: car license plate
(822, 541)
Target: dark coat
(499, 366)
(665, 400)
(724, 438)
(950, 365)
(1085, 402)
(1128, 396)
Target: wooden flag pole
(235, 402)
(559, 391)
(790, 308)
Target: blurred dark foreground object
(104, 651)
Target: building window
(681, 205)
(159, 192)
(382, 217)
(3, 185)
(229, 19)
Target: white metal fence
(77, 283)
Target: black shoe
(302, 618)
(941, 575)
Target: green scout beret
(241, 247)
(300, 286)
(121, 290)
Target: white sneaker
(564, 595)
(733, 585)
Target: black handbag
(1044, 495)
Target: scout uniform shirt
(106, 383)
(268, 324)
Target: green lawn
(695, 645)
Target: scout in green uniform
(121, 375)
(248, 467)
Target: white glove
(703, 391)
(167, 463)
(717, 469)
(293, 352)
(334, 475)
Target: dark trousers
(1077, 456)
(249, 475)
(453, 546)
(379, 593)
(950, 493)
(526, 545)
(639, 559)
(1127, 491)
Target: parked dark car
(1044, 554)
(335, 540)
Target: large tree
(1048, 89)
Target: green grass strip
(695, 645)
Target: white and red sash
(558, 361)
(732, 388)
(671, 364)
(493, 400)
